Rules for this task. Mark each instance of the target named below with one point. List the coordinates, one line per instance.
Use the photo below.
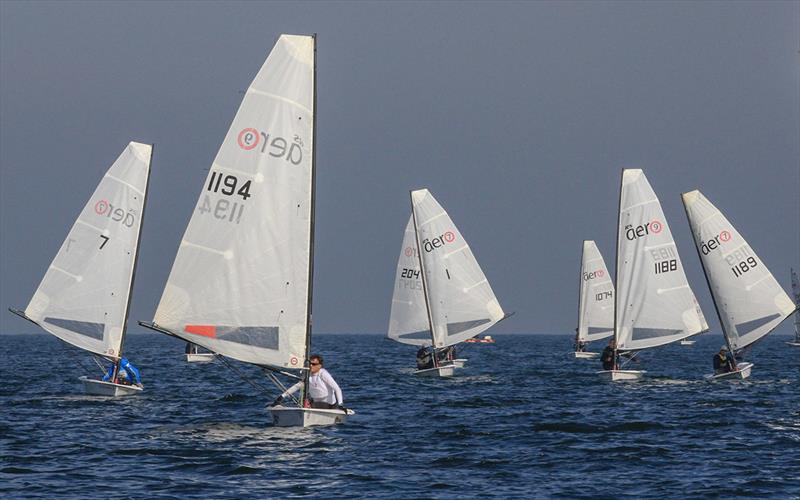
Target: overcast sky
(517, 116)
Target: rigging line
(280, 385)
(625, 363)
(236, 370)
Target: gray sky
(517, 116)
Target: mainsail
(596, 300)
(654, 304)
(84, 296)
(749, 300)
(408, 322)
(796, 293)
(461, 302)
(241, 281)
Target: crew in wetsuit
(580, 345)
(424, 359)
(608, 358)
(724, 362)
(446, 354)
(126, 371)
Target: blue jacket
(131, 371)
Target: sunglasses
(315, 364)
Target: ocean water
(523, 419)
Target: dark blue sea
(523, 419)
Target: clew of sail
(461, 301)
(596, 300)
(408, 322)
(654, 304)
(749, 300)
(240, 283)
(84, 295)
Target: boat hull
(439, 371)
(283, 416)
(742, 372)
(621, 375)
(586, 355)
(101, 388)
(793, 344)
(205, 357)
(688, 342)
(459, 362)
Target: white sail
(408, 322)
(240, 283)
(749, 300)
(462, 303)
(84, 295)
(596, 301)
(796, 293)
(654, 304)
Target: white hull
(459, 362)
(741, 373)
(283, 416)
(620, 375)
(688, 342)
(205, 357)
(586, 355)
(793, 344)
(101, 388)
(440, 371)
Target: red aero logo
(409, 251)
(248, 139)
(599, 273)
(725, 236)
(101, 207)
(449, 236)
(656, 226)
(293, 361)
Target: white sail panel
(654, 304)
(462, 302)
(596, 302)
(408, 322)
(796, 293)
(240, 282)
(83, 297)
(749, 300)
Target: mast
(616, 269)
(708, 282)
(307, 373)
(133, 270)
(580, 293)
(424, 282)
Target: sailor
(323, 391)
(580, 345)
(723, 361)
(424, 359)
(446, 354)
(127, 373)
(608, 357)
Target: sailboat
(241, 283)
(441, 296)
(595, 301)
(196, 354)
(654, 305)
(749, 301)
(84, 297)
(796, 293)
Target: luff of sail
(461, 301)
(240, 282)
(654, 304)
(796, 293)
(408, 321)
(749, 300)
(596, 301)
(83, 297)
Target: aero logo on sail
(439, 241)
(715, 242)
(103, 207)
(250, 139)
(655, 226)
(595, 274)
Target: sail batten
(244, 263)
(654, 303)
(750, 302)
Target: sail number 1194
(227, 185)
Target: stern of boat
(100, 388)
(283, 416)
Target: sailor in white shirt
(323, 391)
